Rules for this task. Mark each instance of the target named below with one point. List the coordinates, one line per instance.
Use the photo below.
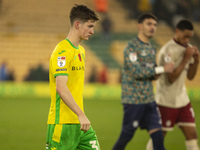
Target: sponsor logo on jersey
(62, 51)
(78, 68)
(65, 69)
(150, 64)
(61, 61)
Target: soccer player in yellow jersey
(68, 126)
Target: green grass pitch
(23, 124)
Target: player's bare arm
(189, 52)
(65, 94)
(193, 67)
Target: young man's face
(148, 27)
(87, 29)
(184, 36)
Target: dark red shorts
(183, 116)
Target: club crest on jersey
(133, 57)
(168, 58)
(61, 61)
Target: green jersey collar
(72, 44)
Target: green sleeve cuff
(60, 74)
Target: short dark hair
(146, 16)
(184, 25)
(83, 13)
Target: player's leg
(191, 137)
(157, 139)
(149, 145)
(189, 132)
(168, 116)
(188, 127)
(89, 141)
(131, 121)
(152, 122)
(63, 137)
(155, 131)
(123, 139)
(192, 144)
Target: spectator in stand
(3, 72)
(101, 5)
(106, 25)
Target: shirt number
(94, 144)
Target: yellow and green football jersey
(66, 60)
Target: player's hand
(169, 68)
(85, 123)
(189, 52)
(196, 54)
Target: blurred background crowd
(29, 31)
(168, 11)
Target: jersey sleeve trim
(60, 74)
